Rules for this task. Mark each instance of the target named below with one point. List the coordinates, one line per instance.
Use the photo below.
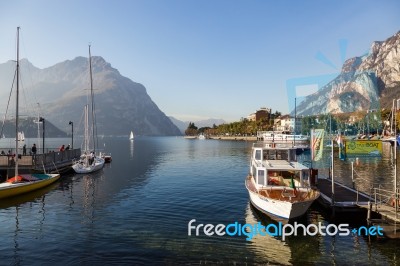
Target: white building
(286, 123)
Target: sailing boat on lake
(22, 183)
(131, 136)
(89, 162)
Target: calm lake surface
(137, 209)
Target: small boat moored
(107, 157)
(20, 184)
(26, 183)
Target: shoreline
(242, 138)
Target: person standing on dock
(33, 149)
(24, 150)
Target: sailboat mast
(86, 140)
(17, 107)
(92, 100)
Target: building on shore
(262, 113)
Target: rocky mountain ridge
(367, 82)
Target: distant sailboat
(131, 136)
(21, 136)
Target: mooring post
(352, 173)
(369, 212)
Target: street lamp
(41, 119)
(72, 130)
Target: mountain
(121, 104)
(182, 125)
(30, 129)
(367, 82)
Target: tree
(191, 130)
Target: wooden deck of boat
(343, 194)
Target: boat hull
(279, 209)
(80, 167)
(283, 209)
(14, 189)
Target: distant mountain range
(182, 125)
(30, 128)
(367, 82)
(121, 104)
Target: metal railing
(38, 160)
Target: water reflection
(33, 196)
(16, 257)
(137, 211)
(131, 145)
(368, 172)
(267, 247)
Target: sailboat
(131, 136)
(89, 162)
(21, 136)
(23, 183)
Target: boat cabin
(278, 167)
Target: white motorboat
(278, 185)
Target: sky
(202, 59)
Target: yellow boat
(26, 183)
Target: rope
(8, 104)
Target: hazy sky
(202, 58)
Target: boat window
(306, 177)
(283, 155)
(293, 155)
(271, 155)
(258, 155)
(261, 177)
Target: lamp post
(295, 121)
(41, 119)
(72, 131)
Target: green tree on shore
(191, 130)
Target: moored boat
(89, 162)
(20, 184)
(278, 185)
(26, 183)
(107, 157)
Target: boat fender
(393, 201)
(15, 179)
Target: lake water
(137, 209)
